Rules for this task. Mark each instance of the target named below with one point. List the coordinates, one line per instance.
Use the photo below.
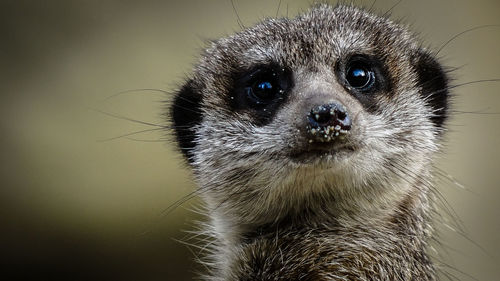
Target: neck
(390, 227)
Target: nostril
(321, 115)
(341, 115)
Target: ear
(433, 81)
(185, 113)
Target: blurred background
(81, 200)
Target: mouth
(321, 152)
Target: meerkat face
(334, 102)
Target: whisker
(278, 10)
(143, 140)
(393, 6)
(238, 19)
(130, 134)
(464, 32)
(477, 112)
(127, 118)
(151, 90)
(372, 5)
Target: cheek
(234, 141)
(399, 136)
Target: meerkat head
(337, 106)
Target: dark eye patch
(260, 91)
(263, 86)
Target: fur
(280, 210)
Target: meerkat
(312, 141)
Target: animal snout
(327, 122)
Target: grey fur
(349, 214)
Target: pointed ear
(185, 113)
(433, 81)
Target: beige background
(74, 208)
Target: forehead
(320, 36)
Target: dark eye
(359, 75)
(264, 87)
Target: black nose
(327, 122)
